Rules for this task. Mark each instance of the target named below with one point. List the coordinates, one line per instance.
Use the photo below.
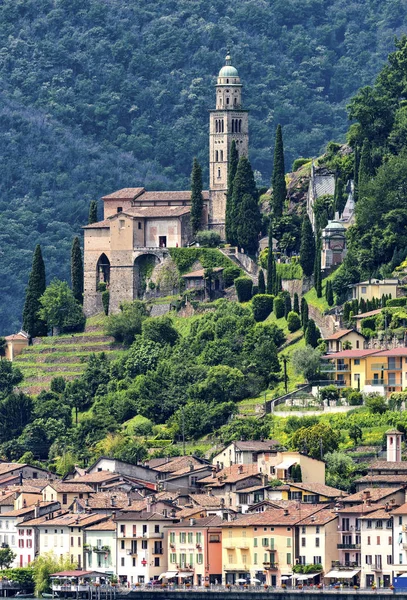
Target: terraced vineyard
(64, 355)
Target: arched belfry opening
(103, 270)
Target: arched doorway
(103, 270)
(143, 267)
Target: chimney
(240, 469)
(214, 473)
(36, 512)
(366, 494)
(222, 502)
(191, 466)
(173, 513)
(86, 501)
(191, 522)
(21, 477)
(286, 512)
(128, 501)
(113, 501)
(368, 502)
(217, 465)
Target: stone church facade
(139, 226)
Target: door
(162, 241)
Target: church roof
(228, 70)
(157, 211)
(125, 194)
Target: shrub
(293, 321)
(101, 286)
(355, 398)
(397, 301)
(105, 301)
(126, 324)
(208, 239)
(279, 307)
(330, 392)
(160, 330)
(255, 290)
(230, 274)
(262, 305)
(299, 162)
(369, 323)
(244, 288)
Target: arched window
(218, 173)
(221, 155)
(216, 156)
(233, 126)
(235, 101)
(222, 123)
(227, 100)
(227, 80)
(240, 125)
(216, 125)
(103, 270)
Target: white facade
(100, 551)
(8, 534)
(318, 543)
(377, 549)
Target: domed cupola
(228, 88)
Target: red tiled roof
(276, 516)
(375, 495)
(393, 352)
(96, 477)
(104, 526)
(66, 487)
(401, 510)
(320, 518)
(357, 508)
(369, 313)
(185, 196)
(339, 334)
(383, 465)
(380, 513)
(232, 474)
(320, 488)
(401, 479)
(201, 272)
(125, 194)
(350, 354)
(177, 463)
(99, 225)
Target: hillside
(98, 96)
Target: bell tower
(228, 122)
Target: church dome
(228, 70)
(335, 225)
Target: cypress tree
(339, 195)
(365, 168)
(287, 304)
(93, 212)
(278, 178)
(296, 304)
(32, 324)
(77, 270)
(346, 311)
(307, 248)
(196, 196)
(271, 264)
(304, 313)
(317, 268)
(249, 225)
(356, 173)
(246, 214)
(261, 283)
(329, 293)
(312, 334)
(278, 283)
(230, 230)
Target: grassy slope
(320, 303)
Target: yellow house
(345, 337)
(311, 493)
(350, 368)
(66, 493)
(375, 288)
(263, 545)
(278, 465)
(15, 344)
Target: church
(139, 225)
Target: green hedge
(397, 301)
(244, 288)
(262, 305)
(184, 258)
(279, 307)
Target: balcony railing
(374, 382)
(344, 565)
(270, 566)
(348, 546)
(158, 551)
(379, 367)
(144, 536)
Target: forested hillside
(101, 94)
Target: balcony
(230, 546)
(104, 549)
(345, 564)
(243, 547)
(374, 382)
(379, 367)
(158, 550)
(152, 536)
(348, 546)
(269, 566)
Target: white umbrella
(254, 580)
(285, 577)
(241, 580)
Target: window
(173, 558)
(216, 156)
(317, 529)
(379, 524)
(389, 559)
(266, 558)
(378, 540)
(288, 558)
(265, 542)
(356, 362)
(122, 546)
(64, 498)
(172, 537)
(71, 541)
(368, 540)
(122, 561)
(21, 543)
(199, 559)
(303, 542)
(123, 529)
(369, 524)
(230, 558)
(134, 562)
(79, 541)
(140, 225)
(144, 544)
(255, 542)
(255, 558)
(390, 540)
(122, 224)
(29, 532)
(190, 537)
(120, 209)
(218, 173)
(400, 559)
(317, 560)
(21, 532)
(244, 558)
(242, 498)
(288, 542)
(182, 537)
(156, 529)
(221, 155)
(363, 290)
(199, 537)
(368, 559)
(389, 524)
(303, 529)
(317, 542)
(157, 561)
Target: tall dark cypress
(296, 304)
(278, 178)
(307, 248)
(270, 263)
(77, 270)
(32, 324)
(356, 158)
(196, 196)
(365, 168)
(339, 196)
(246, 213)
(304, 313)
(93, 212)
(261, 283)
(230, 228)
(317, 267)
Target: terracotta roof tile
(401, 510)
(157, 211)
(380, 513)
(340, 334)
(369, 313)
(98, 225)
(383, 465)
(320, 518)
(400, 479)
(96, 477)
(201, 272)
(210, 521)
(65, 487)
(232, 474)
(276, 516)
(376, 494)
(320, 488)
(177, 463)
(205, 500)
(184, 196)
(125, 194)
(108, 525)
(76, 519)
(256, 445)
(27, 509)
(350, 354)
(357, 508)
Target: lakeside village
(256, 515)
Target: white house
(376, 534)
(400, 540)
(318, 542)
(100, 547)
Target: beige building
(66, 493)
(377, 548)
(375, 288)
(318, 542)
(243, 452)
(15, 344)
(139, 226)
(278, 465)
(349, 338)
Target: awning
(403, 575)
(342, 574)
(285, 577)
(185, 575)
(308, 576)
(286, 464)
(168, 575)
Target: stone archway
(144, 265)
(103, 270)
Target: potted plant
(266, 587)
(300, 586)
(284, 586)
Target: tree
(10, 376)
(339, 196)
(317, 268)
(316, 440)
(293, 321)
(196, 196)
(366, 169)
(340, 468)
(329, 293)
(261, 283)
(230, 220)
(59, 309)
(244, 190)
(244, 286)
(271, 265)
(307, 362)
(278, 178)
(307, 248)
(376, 404)
(3, 346)
(355, 433)
(208, 238)
(296, 305)
(312, 334)
(287, 304)
(77, 271)
(93, 212)
(6, 558)
(126, 324)
(160, 330)
(329, 393)
(45, 565)
(262, 305)
(278, 307)
(15, 413)
(304, 314)
(32, 323)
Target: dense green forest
(97, 95)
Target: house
(334, 247)
(345, 337)
(195, 550)
(15, 537)
(15, 344)
(116, 466)
(318, 543)
(377, 548)
(400, 540)
(142, 543)
(369, 496)
(100, 547)
(263, 545)
(375, 288)
(243, 452)
(187, 478)
(169, 467)
(66, 493)
(388, 481)
(14, 473)
(370, 313)
(280, 465)
(227, 482)
(359, 369)
(312, 493)
(200, 281)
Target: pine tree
(261, 283)
(312, 334)
(32, 324)
(246, 214)
(307, 248)
(287, 304)
(317, 268)
(365, 168)
(93, 212)
(339, 195)
(356, 174)
(77, 271)
(230, 230)
(329, 293)
(278, 178)
(249, 225)
(271, 264)
(296, 304)
(196, 196)
(304, 314)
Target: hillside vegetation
(101, 95)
